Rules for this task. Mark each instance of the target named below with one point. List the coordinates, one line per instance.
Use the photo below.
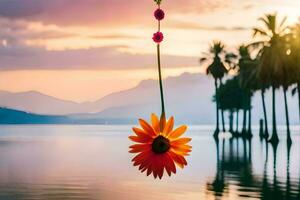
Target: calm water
(91, 162)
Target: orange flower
(159, 150)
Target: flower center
(160, 145)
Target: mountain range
(188, 97)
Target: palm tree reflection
(235, 173)
(218, 185)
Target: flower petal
(180, 141)
(138, 159)
(169, 126)
(141, 133)
(145, 165)
(160, 166)
(139, 139)
(162, 122)
(181, 149)
(169, 164)
(155, 167)
(139, 148)
(155, 123)
(177, 132)
(182, 152)
(148, 129)
(151, 163)
(149, 170)
(178, 159)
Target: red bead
(159, 14)
(158, 37)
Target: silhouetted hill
(188, 97)
(187, 87)
(37, 102)
(10, 116)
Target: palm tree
(217, 69)
(271, 59)
(287, 73)
(237, 121)
(262, 85)
(266, 131)
(247, 82)
(286, 81)
(230, 98)
(295, 58)
(243, 63)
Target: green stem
(160, 82)
(163, 114)
(158, 25)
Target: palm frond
(203, 59)
(265, 20)
(231, 56)
(282, 24)
(259, 31)
(256, 45)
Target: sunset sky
(81, 50)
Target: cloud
(21, 57)
(197, 26)
(114, 36)
(17, 54)
(18, 31)
(249, 6)
(87, 12)
(30, 28)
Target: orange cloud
(98, 12)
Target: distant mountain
(188, 97)
(10, 116)
(145, 93)
(36, 102)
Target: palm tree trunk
(237, 122)
(244, 121)
(244, 99)
(231, 121)
(289, 140)
(266, 135)
(222, 113)
(249, 122)
(217, 110)
(261, 128)
(274, 139)
(298, 88)
(288, 193)
(223, 120)
(249, 116)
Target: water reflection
(45, 191)
(92, 162)
(234, 174)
